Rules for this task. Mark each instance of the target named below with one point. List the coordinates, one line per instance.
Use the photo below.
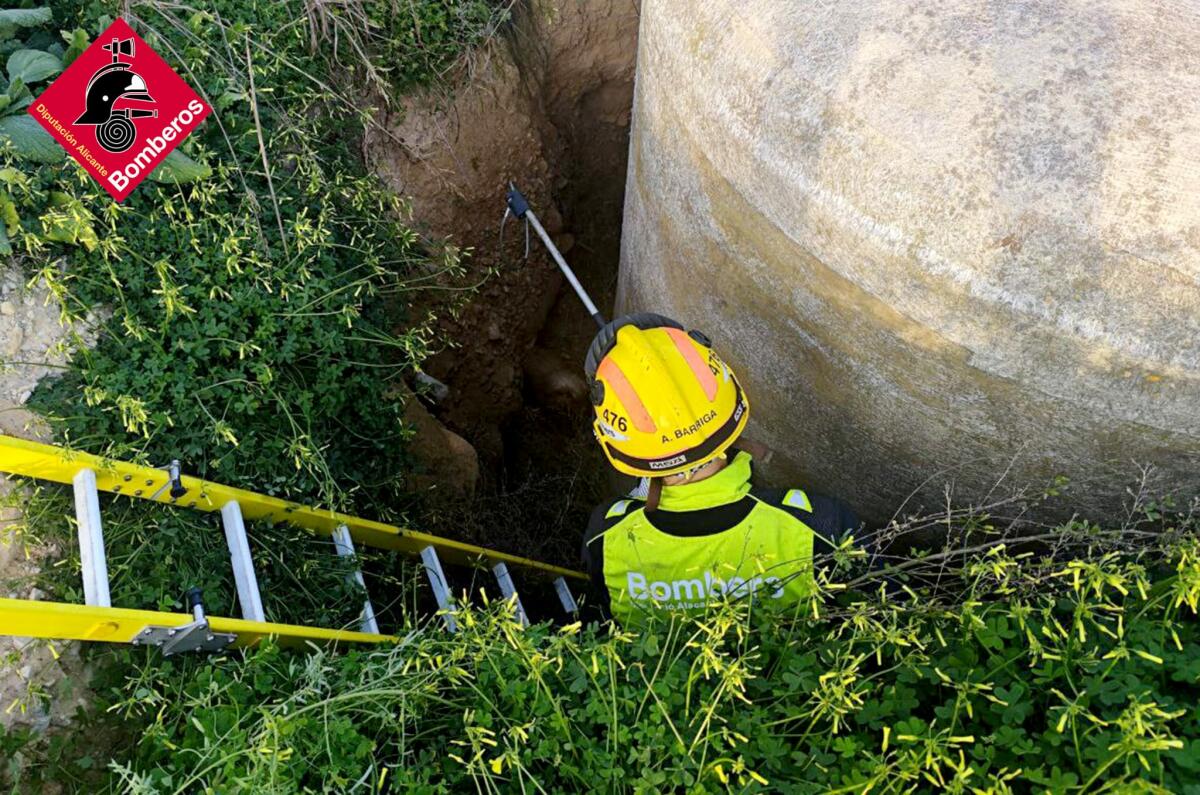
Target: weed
(1088, 677)
(253, 323)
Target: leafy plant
(1067, 676)
(253, 324)
(251, 319)
(250, 332)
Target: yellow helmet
(665, 403)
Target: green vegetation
(1070, 677)
(250, 331)
(256, 322)
(250, 307)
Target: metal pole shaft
(566, 269)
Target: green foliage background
(255, 323)
(1042, 676)
(250, 331)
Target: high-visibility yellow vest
(756, 545)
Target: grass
(248, 322)
(1070, 673)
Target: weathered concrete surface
(932, 234)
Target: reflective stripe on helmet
(687, 349)
(612, 375)
(606, 338)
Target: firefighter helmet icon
(116, 81)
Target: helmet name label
(681, 433)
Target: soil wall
(547, 105)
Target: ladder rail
(62, 621)
(47, 462)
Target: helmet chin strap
(653, 494)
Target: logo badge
(119, 110)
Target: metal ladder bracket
(196, 636)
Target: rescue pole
(518, 205)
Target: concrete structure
(932, 235)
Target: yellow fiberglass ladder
(98, 620)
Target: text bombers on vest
(695, 591)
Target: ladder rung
(441, 590)
(565, 596)
(344, 544)
(249, 596)
(509, 590)
(92, 557)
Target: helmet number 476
(616, 421)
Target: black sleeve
(832, 519)
(593, 561)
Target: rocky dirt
(41, 683)
(547, 106)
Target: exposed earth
(41, 683)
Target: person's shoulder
(607, 514)
(817, 510)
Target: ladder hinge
(196, 636)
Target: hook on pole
(518, 205)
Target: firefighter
(670, 410)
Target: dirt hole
(548, 106)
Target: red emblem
(119, 109)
